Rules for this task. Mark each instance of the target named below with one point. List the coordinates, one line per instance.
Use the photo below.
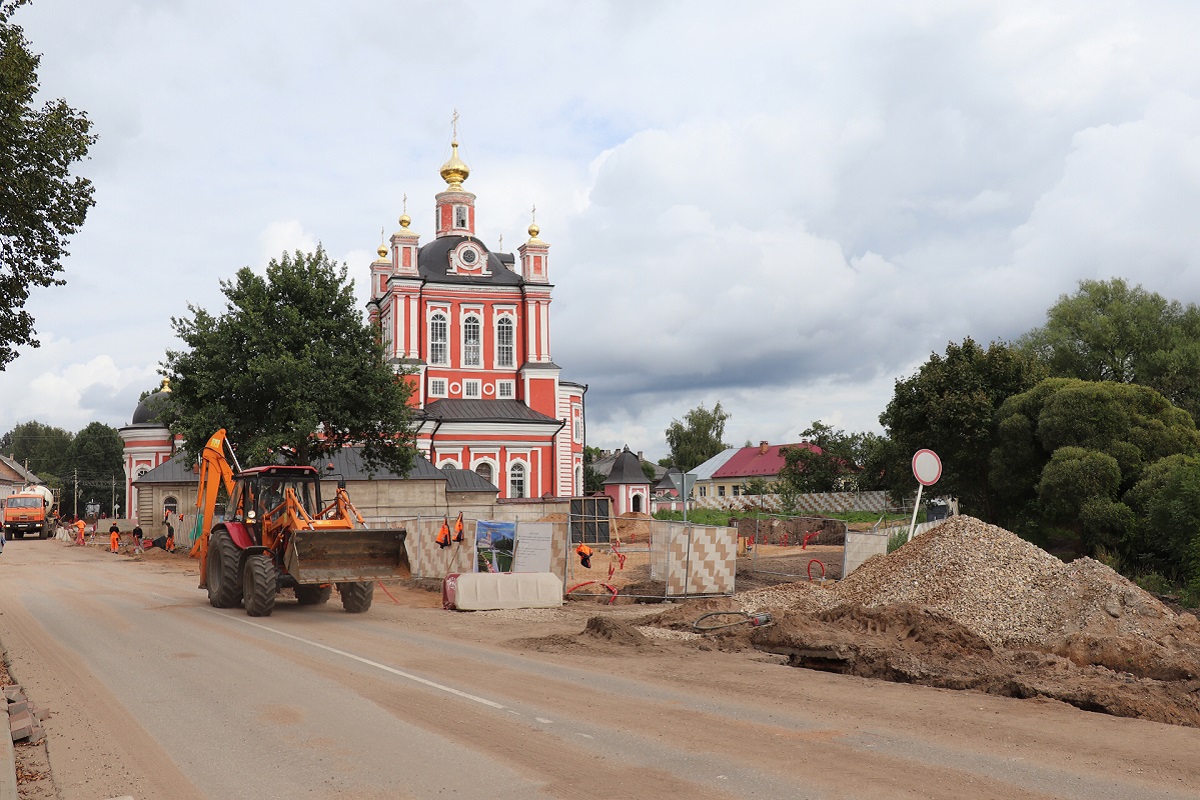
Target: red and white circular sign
(927, 467)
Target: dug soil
(972, 606)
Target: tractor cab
(259, 494)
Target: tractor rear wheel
(260, 584)
(312, 594)
(357, 597)
(224, 583)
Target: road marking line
(366, 661)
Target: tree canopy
(97, 458)
(949, 406)
(1110, 331)
(1071, 454)
(41, 202)
(43, 448)
(291, 364)
(698, 438)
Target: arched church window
(504, 343)
(516, 480)
(637, 504)
(484, 471)
(439, 340)
(472, 343)
(460, 216)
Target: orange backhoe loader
(276, 535)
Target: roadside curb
(8, 758)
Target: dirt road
(155, 695)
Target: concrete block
(14, 692)
(17, 707)
(20, 725)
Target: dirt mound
(633, 527)
(971, 605)
(601, 636)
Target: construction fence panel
(861, 545)
(693, 559)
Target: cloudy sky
(781, 206)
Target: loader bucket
(352, 554)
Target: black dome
(148, 410)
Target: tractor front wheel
(260, 584)
(224, 583)
(357, 597)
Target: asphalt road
(156, 695)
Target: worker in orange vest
(114, 538)
(585, 555)
(80, 527)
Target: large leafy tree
(1085, 458)
(43, 448)
(698, 437)
(97, 459)
(41, 202)
(949, 406)
(1111, 331)
(290, 365)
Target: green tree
(1084, 457)
(1110, 331)
(97, 456)
(291, 364)
(949, 406)
(698, 438)
(44, 449)
(593, 481)
(41, 203)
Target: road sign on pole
(927, 469)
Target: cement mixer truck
(29, 511)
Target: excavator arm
(214, 473)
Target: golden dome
(455, 170)
(166, 385)
(382, 250)
(405, 221)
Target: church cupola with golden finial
(455, 205)
(535, 254)
(405, 246)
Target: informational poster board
(494, 543)
(534, 547)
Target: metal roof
(458, 410)
(752, 462)
(706, 470)
(627, 469)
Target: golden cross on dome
(454, 125)
(381, 233)
(502, 243)
(405, 209)
(533, 214)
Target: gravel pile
(1003, 588)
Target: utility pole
(76, 493)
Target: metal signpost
(927, 469)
